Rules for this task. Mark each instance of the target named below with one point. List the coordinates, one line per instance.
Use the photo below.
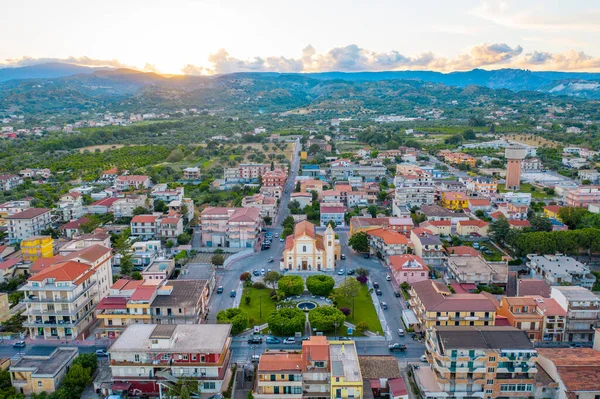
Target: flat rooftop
(482, 337)
(344, 361)
(190, 338)
(477, 265)
(184, 293)
(576, 293)
(159, 265)
(46, 366)
(558, 264)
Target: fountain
(306, 305)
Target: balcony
(40, 312)
(58, 323)
(50, 288)
(277, 395)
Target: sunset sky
(220, 36)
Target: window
(273, 377)
(337, 379)
(492, 358)
(319, 364)
(185, 357)
(490, 369)
(136, 357)
(304, 248)
(40, 384)
(166, 356)
(154, 342)
(490, 382)
(180, 311)
(209, 385)
(193, 357)
(488, 391)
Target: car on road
(384, 305)
(282, 239)
(424, 358)
(276, 235)
(400, 332)
(101, 353)
(378, 293)
(350, 272)
(220, 289)
(255, 340)
(256, 272)
(271, 260)
(273, 340)
(343, 257)
(388, 278)
(397, 294)
(375, 284)
(262, 272)
(19, 344)
(366, 256)
(341, 272)
(343, 339)
(232, 294)
(289, 340)
(397, 346)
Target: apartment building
(230, 227)
(274, 178)
(70, 207)
(36, 247)
(279, 375)
(582, 196)
(331, 212)
(437, 227)
(160, 269)
(161, 192)
(479, 204)
(304, 199)
(123, 207)
(583, 311)
(102, 206)
(180, 302)
(481, 361)
(458, 158)
(251, 171)
(414, 187)
(454, 200)
(170, 227)
(476, 270)
(151, 357)
(558, 269)
(61, 298)
(408, 268)
(542, 319)
(145, 227)
(472, 227)
(267, 205)
(346, 378)
(384, 243)
(435, 305)
(191, 173)
(124, 183)
(428, 246)
(312, 185)
(30, 222)
(316, 366)
(41, 373)
(368, 173)
(480, 185)
(10, 182)
(10, 208)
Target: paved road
(451, 169)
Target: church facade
(305, 250)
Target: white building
(30, 222)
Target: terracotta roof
(533, 287)
(105, 202)
(519, 223)
(478, 223)
(330, 192)
(289, 242)
(304, 227)
(550, 306)
(462, 250)
(144, 219)
(143, 293)
(124, 283)
(553, 208)
(454, 196)
(64, 271)
(479, 202)
(245, 215)
(437, 297)
(89, 254)
(397, 387)
(497, 215)
(74, 224)
(389, 237)
(325, 208)
(170, 221)
(280, 361)
(398, 262)
(112, 302)
(112, 171)
(357, 222)
(43, 263)
(29, 213)
(135, 178)
(436, 223)
(578, 368)
(316, 348)
(8, 264)
(309, 195)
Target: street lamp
(335, 325)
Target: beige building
(4, 307)
(468, 227)
(36, 374)
(306, 250)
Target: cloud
(568, 61)
(150, 68)
(85, 61)
(512, 14)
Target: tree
(362, 326)
(126, 264)
(238, 318)
(469, 134)
(139, 210)
(540, 223)
(272, 278)
(498, 230)
(77, 379)
(454, 140)
(362, 279)
(347, 291)
(287, 321)
(217, 260)
(268, 220)
(170, 244)
(160, 206)
(286, 232)
(572, 216)
(298, 187)
(326, 318)
(137, 275)
(361, 271)
(320, 285)
(184, 239)
(291, 285)
(359, 241)
(245, 276)
(183, 388)
(122, 247)
(52, 232)
(372, 209)
(88, 361)
(288, 222)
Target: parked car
(273, 340)
(400, 332)
(276, 235)
(232, 294)
(101, 353)
(388, 278)
(19, 344)
(350, 272)
(220, 289)
(375, 284)
(397, 294)
(255, 340)
(289, 340)
(378, 293)
(262, 272)
(424, 358)
(366, 256)
(397, 346)
(282, 240)
(256, 272)
(271, 260)
(384, 305)
(343, 256)
(341, 272)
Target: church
(305, 250)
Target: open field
(534, 140)
(364, 310)
(101, 147)
(254, 307)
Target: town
(308, 265)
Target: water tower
(514, 155)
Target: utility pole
(260, 305)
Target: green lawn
(527, 188)
(254, 307)
(363, 310)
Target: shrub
(247, 299)
(259, 286)
(345, 311)
(362, 326)
(237, 317)
(320, 284)
(362, 279)
(287, 321)
(291, 285)
(325, 318)
(246, 276)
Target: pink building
(170, 227)
(582, 196)
(230, 227)
(408, 268)
(514, 156)
(136, 181)
(274, 178)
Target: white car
(276, 235)
(262, 271)
(388, 278)
(289, 340)
(424, 358)
(282, 240)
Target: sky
(223, 36)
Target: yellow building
(306, 250)
(435, 305)
(36, 247)
(346, 378)
(303, 154)
(4, 307)
(35, 374)
(279, 376)
(551, 212)
(454, 200)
